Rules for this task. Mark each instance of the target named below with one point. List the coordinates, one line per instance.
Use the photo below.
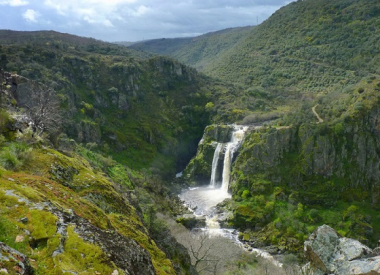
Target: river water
(202, 200)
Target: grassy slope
(89, 193)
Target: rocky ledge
(13, 262)
(191, 221)
(329, 253)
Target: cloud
(116, 20)
(94, 12)
(14, 3)
(31, 15)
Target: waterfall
(215, 164)
(229, 149)
(227, 168)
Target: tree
(201, 254)
(43, 109)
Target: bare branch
(42, 107)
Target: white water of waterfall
(231, 148)
(215, 164)
(202, 201)
(226, 168)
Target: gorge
(203, 199)
(275, 129)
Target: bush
(339, 129)
(358, 106)
(14, 156)
(245, 194)
(253, 118)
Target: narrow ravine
(202, 200)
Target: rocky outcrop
(125, 252)
(191, 221)
(199, 168)
(218, 133)
(88, 131)
(314, 153)
(13, 262)
(329, 253)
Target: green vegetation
(144, 113)
(132, 120)
(290, 180)
(38, 182)
(307, 50)
(199, 51)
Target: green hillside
(304, 51)
(198, 51)
(306, 47)
(92, 134)
(147, 113)
(66, 42)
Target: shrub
(245, 194)
(209, 106)
(339, 129)
(14, 156)
(358, 106)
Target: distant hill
(306, 46)
(65, 41)
(195, 51)
(304, 51)
(124, 43)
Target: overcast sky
(134, 20)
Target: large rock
(331, 254)
(13, 262)
(191, 221)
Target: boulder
(13, 262)
(191, 221)
(329, 253)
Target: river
(202, 200)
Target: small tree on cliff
(43, 109)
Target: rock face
(329, 253)
(314, 152)
(13, 262)
(199, 168)
(126, 253)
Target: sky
(134, 20)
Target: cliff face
(304, 155)
(288, 180)
(198, 171)
(152, 110)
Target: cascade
(230, 149)
(203, 200)
(215, 164)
